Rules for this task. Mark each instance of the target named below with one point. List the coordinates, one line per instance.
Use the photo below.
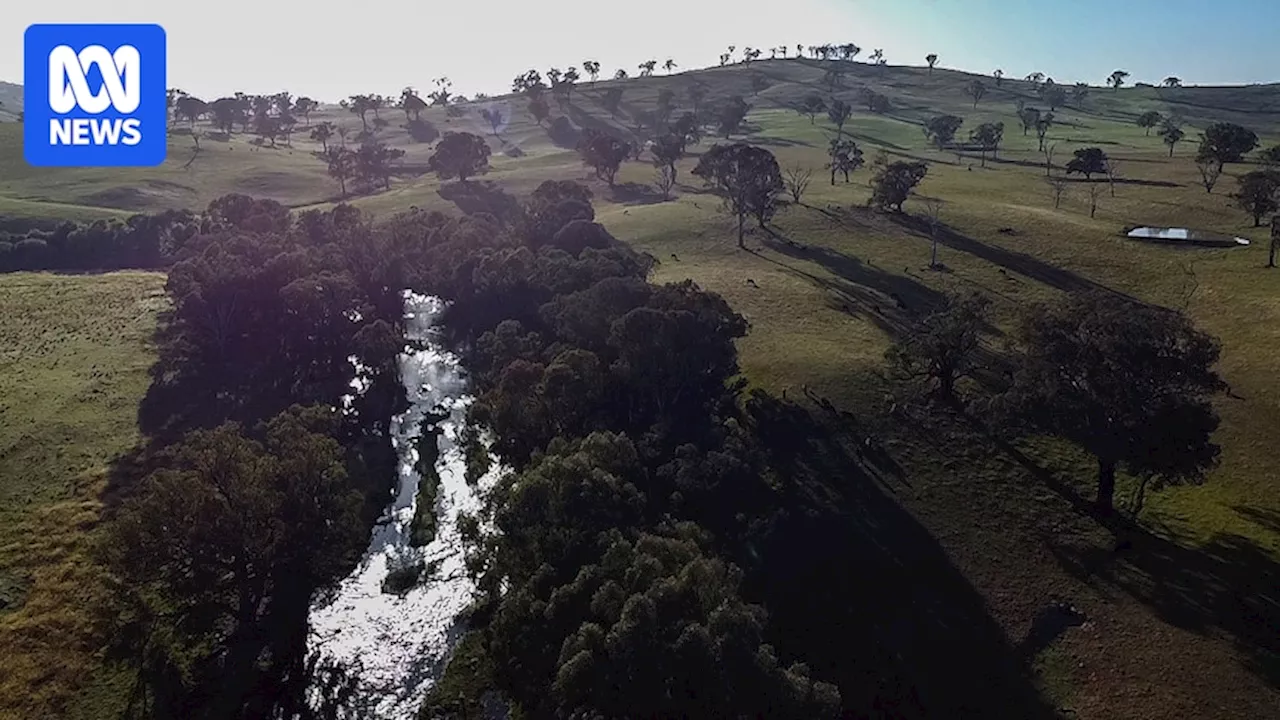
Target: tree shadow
(1023, 264)
(894, 624)
(1127, 181)
(482, 196)
(563, 133)
(633, 193)
(778, 141)
(890, 301)
(1228, 584)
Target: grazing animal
(752, 283)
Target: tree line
(259, 482)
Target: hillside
(294, 177)
(10, 101)
(1177, 626)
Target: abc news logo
(106, 104)
(69, 90)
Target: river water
(400, 643)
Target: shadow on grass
(778, 141)
(889, 300)
(895, 624)
(633, 193)
(1227, 585)
(1023, 264)
(474, 197)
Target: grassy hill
(1178, 626)
(10, 101)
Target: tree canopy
(1130, 383)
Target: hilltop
(292, 176)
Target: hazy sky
(331, 50)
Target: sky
(332, 50)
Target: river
(400, 642)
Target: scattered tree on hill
(941, 129)
(932, 59)
(592, 69)
(1113, 173)
(443, 92)
(603, 153)
(944, 346)
(669, 65)
(731, 114)
(375, 162)
(460, 154)
(304, 106)
(1258, 193)
(226, 113)
(1172, 82)
(1172, 134)
(696, 94)
(620, 75)
(341, 166)
(529, 83)
(646, 67)
(748, 179)
(1043, 124)
(838, 113)
(1094, 191)
(893, 183)
(412, 104)
(1117, 78)
(611, 100)
(724, 59)
(877, 57)
(667, 151)
(1029, 117)
(988, 137)
(358, 105)
(539, 109)
(877, 102)
(1131, 384)
(1053, 95)
(1048, 149)
(564, 88)
(1210, 170)
(1227, 142)
(1149, 119)
(812, 106)
(321, 134)
(267, 127)
(1079, 92)
(797, 179)
(1088, 162)
(977, 89)
(495, 118)
(999, 76)
(1057, 186)
(664, 180)
(190, 107)
(844, 157)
